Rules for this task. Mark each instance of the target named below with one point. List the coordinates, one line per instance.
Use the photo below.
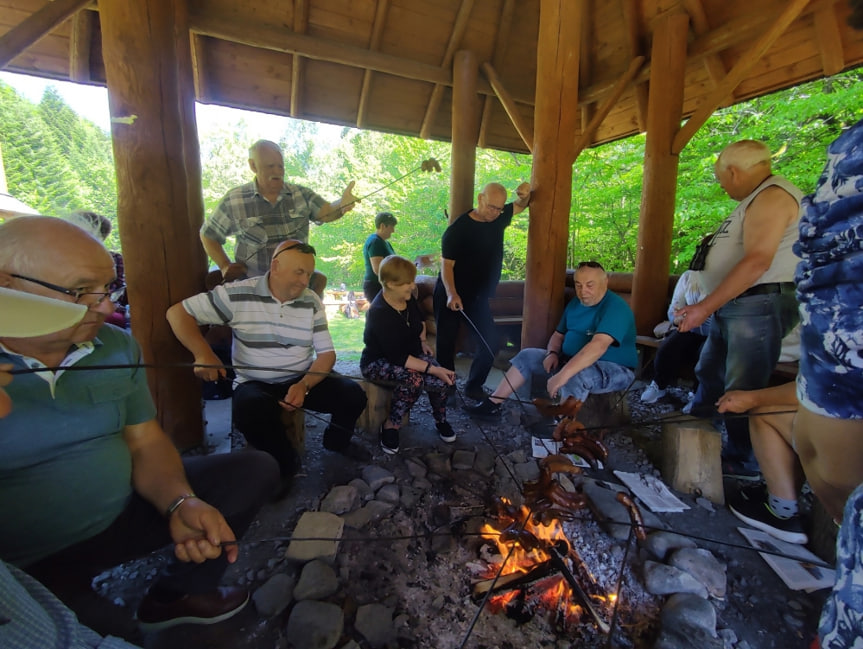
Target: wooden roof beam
(524, 129)
(199, 66)
(301, 23)
(503, 29)
(80, 43)
(35, 26)
(829, 40)
(381, 10)
(454, 41)
(635, 39)
(607, 104)
(737, 74)
(712, 62)
(585, 62)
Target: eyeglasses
(494, 207)
(304, 248)
(589, 264)
(112, 296)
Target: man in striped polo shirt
(283, 352)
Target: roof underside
(387, 64)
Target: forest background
(57, 162)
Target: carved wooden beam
(829, 40)
(374, 44)
(80, 44)
(301, 23)
(523, 128)
(500, 38)
(635, 39)
(607, 104)
(737, 74)
(712, 62)
(453, 44)
(35, 26)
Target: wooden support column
(151, 95)
(465, 131)
(555, 119)
(664, 112)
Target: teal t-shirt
(375, 247)
(65, 469)
(611, 316)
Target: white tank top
(726, 246)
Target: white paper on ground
(797, 575)
(544, 446)
(23, 315)
(652, 491)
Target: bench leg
(691, 458)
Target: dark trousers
(371, 287)
(258, 415)
(676, 352)
(236, 484)
(448, 323)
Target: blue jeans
(741, 351)
(602, 376)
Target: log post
(150, 94)
(465, 132)
(555, 120)
(664, 112)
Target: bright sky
(91, 102)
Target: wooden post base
(379, 400)
(295, 429)
(607, 409)
(691, 458)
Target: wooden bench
(378, 401)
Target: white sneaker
(651, 393)
(687, 409)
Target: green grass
(347, 336)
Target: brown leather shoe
(207, 608)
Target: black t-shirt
(476, 247)
(391, 334)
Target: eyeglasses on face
(77, 294)
(589, 264)
(304, 248)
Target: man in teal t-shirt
(375, 249)
(592, 349)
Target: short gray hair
(20, 249)
(744, 155)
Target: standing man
(376, 247)
(471, 261)
(283, 351)
(88, 479)
(265, 212)
(748, 276)
(591, 351)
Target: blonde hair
(744, 155)
(396, 270)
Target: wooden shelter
(546, 76)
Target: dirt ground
(427, 581)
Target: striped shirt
(261, 226)
(281, 338)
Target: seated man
(773, 508)
(283, 353)
(88, 479)
(592, 350)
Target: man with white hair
(749, 281)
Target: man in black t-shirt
(472, 256)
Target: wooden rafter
(586, 60)
(80, 43)
(501, 36)
(453, 44)
(635, 39)
(523, 128)
(381, 10)
(301, 23)
(700, 25)
(737, 74)
(35, 26)
(829, 41)
(199, 67)
(607, 104)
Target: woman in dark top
(396, 352)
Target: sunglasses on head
(304, 248)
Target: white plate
(24, 315)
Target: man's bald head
(30, 243)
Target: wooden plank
(635, 41)
(301, 22)
(829, 41)
(35, 26)
(79, 45)
(700, 25)
(374, 44)
(737, 73)
(199, 66)
(465, 131)
(524, 129)
(501, 36)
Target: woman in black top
(396, 352)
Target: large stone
(660, 579)
(274, 596)
(613, 516)
(341, 499)
(317, 581)
(686, 609)
(315, 625)
(375, 623)
(316, 536)
(705, 567)
(377, 476)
